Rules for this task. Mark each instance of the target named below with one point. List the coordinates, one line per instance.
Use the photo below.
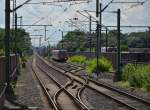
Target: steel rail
(59, 85)
(82, 82)
(78, 102)
(45, 90)
(113, 88)
(109, 96)
(116, 90)
(100, 83)
(56, 96)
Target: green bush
(124, 47)
(135, 80)
(137, 75)
(91, 66)
(128, 70)
(104, 65)
(146, 78)
(78, 59)
(24, 59)
(2, 52)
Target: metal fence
(13, 68)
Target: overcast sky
(58, 14)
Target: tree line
(80, 41)
(23, 41)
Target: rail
(80, 104)
(45, 90)
(113, 89)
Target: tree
(80, 41)
(22, 38)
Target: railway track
(62, 98)
(128, 100)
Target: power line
(58, 1)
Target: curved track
(128, 100)
(62, 98)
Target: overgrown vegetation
(2, 52)
(104, 65)
(78, 59)
(90, 64)
(137, 75)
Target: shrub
(135, 80)
(137, 75)
(124, 47)
(104, 65)
(127, 71)
(24, 59)
(78, 59)
(91, 66)
(2, 52)
(146, 78)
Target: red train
(59, 55)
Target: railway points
(120, 96)
(85, 55)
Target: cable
(31, 13)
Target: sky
(60, 15)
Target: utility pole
(15, 33)
(106, 39)
(149, 35)
(40, 45)
(97, 38)
(7, 39)
(13, 25)
(100, 28)
(13, 16)
(20, 21)
(90, 24)
(45, 32)
(97, 47)
(48, 50)
(40, 41)
(118, 74)
(62, 38)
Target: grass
(123, 84)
